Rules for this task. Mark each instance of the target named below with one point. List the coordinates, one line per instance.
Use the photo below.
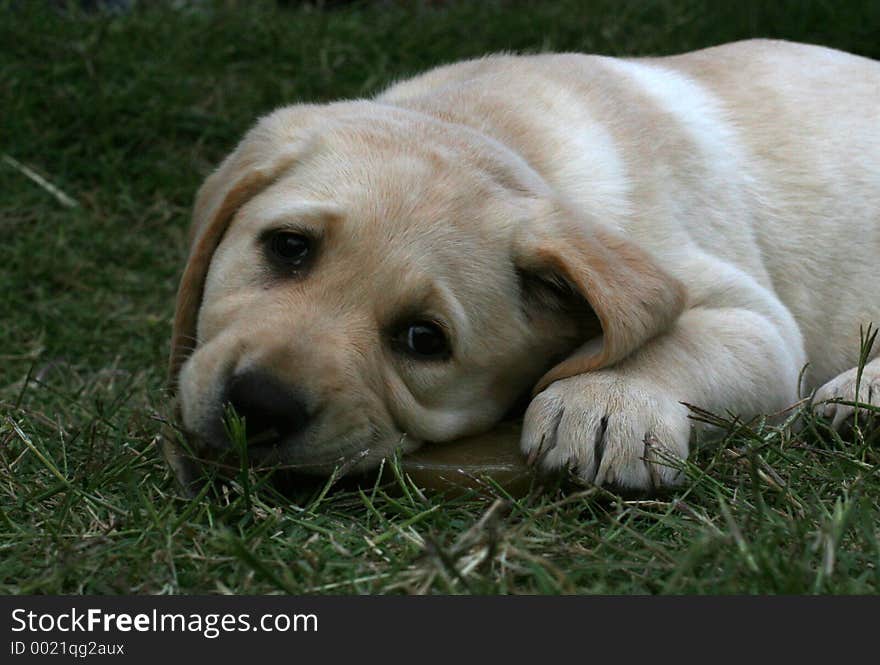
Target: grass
(125, 113)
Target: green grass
(126, 113)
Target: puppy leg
(850, 388)
(615, 426)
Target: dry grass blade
(60, 196)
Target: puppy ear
(267, 151)
(632, 297)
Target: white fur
(765, 206)
(850, 387)
(743, 178)
(740, 346)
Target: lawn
(125, 112)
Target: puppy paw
(609, 430)
(843, 387)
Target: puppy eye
(425, 340)
(290, 248)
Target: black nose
(271, 410)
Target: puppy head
(363, 278)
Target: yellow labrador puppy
(612, 237)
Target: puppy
(610, 237)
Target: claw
(542, 450)
(651, 443)
(600, 445)
(536, 452)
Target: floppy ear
(632, 297)
(266, 152)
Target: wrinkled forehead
(386, 197)
(403, 220)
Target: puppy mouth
(217, 446)
(272, 448)
(266, 447)
(225, 444)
